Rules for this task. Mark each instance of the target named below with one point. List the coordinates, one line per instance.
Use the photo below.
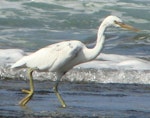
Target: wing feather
(51, 57)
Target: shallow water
(88, 100)
(113, 88)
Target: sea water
(123, 67)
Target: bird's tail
(21, 63)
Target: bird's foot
(64, 105)
(26, 99)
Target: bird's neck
(93, 53)
(100, 32)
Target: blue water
(32, 24)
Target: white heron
(63, 56)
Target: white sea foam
(8, 56)
(107, 68)
(112, 61)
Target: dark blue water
(86, 100)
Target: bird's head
(117, 22)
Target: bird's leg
(30, 92)
(55, 88)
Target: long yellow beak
(128, 27)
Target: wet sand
(84, 100)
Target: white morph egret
(63, 56)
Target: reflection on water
(83, 99)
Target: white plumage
(53, 57)
(61, 57)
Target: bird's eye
(118, 23)
(115, 22)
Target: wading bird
(63, 56)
